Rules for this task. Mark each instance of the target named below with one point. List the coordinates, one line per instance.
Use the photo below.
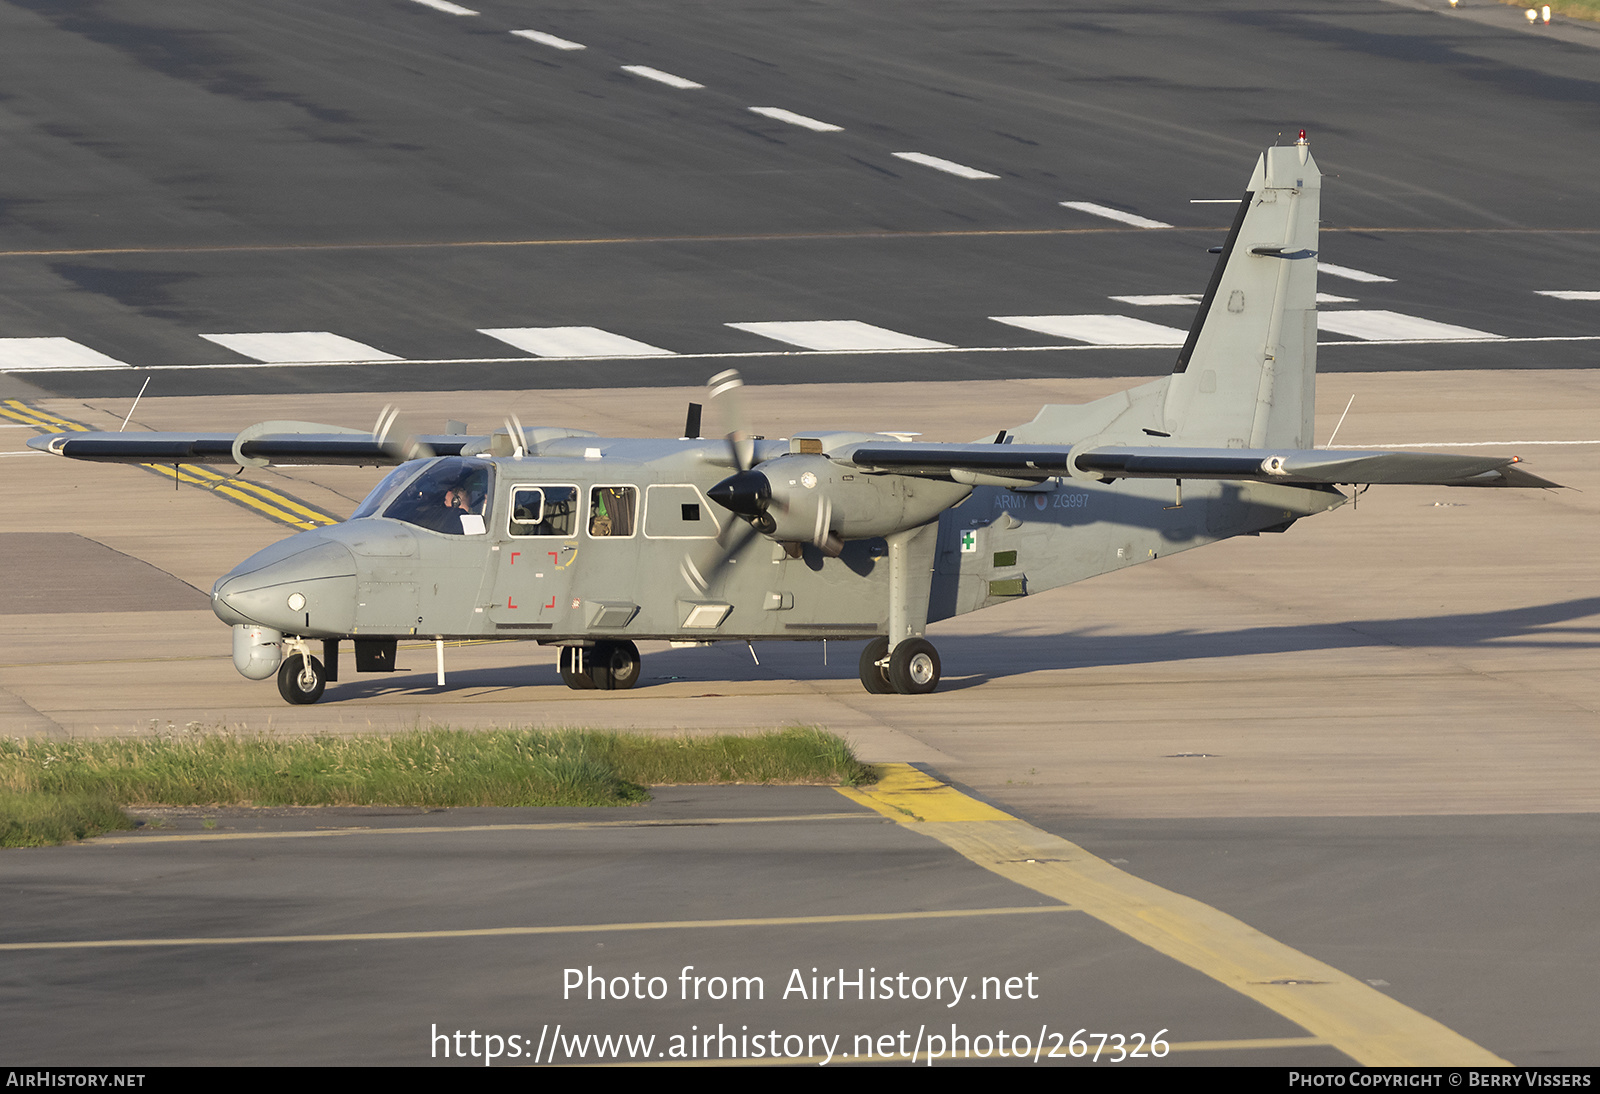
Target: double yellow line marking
(273, 504)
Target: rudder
(1247, 374)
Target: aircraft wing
(335, 446)
(1038, 462)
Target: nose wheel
(301, 679)
(912, 669)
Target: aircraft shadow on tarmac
(980, 659)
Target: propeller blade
(703, 573)
(519, 437)
(396, 436)
(725, 394)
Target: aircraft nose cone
(298, 586)
(746, 493)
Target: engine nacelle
(257, 651)
(812, 499)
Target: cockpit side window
(543, 511)
(450, 496)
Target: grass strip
(52, 791)
(1576, 9)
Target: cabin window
(613, 510)
(678, 512)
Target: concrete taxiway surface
(1371, 738)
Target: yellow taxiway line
(1334, 1007)
(270, 503)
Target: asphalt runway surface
(1372, 740)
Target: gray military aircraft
(593, 543)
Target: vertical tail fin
(1247, 375)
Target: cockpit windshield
(380, 493)
(450, 496)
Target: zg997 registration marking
(1077, 499)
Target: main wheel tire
(621, 664)
(578, 679)
(914, 667)
(293, 679)
(874, 676)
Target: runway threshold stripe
(1350, 1015)
(435, 829)
(949, 167)
(548, 39)
(297, 347)
(662, 77)
(838, 334)
(1350, 274)
(1099, 330)
(1109, 213)
(1395, 326)
(777, 113)
(53, 355)
(1159, 299)
(505, 932)
(571, 342)
(446, 7)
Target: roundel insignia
(1039, 501)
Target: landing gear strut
(605, 666)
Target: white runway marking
(1099, 330)
(446, 7)
(1115, 214)
(777, 113)
(296, 347)
(51, 355)
(1570, 294)
(838, 334)
(949, 167)
(548, 39)
(1159, 299)
(662, 77)
(574, 342)
(1055, 347)
(1213, 201)
(1329, 298)
(1347, 272)
(1393, 326)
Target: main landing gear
(912, 669)
(604, 666)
